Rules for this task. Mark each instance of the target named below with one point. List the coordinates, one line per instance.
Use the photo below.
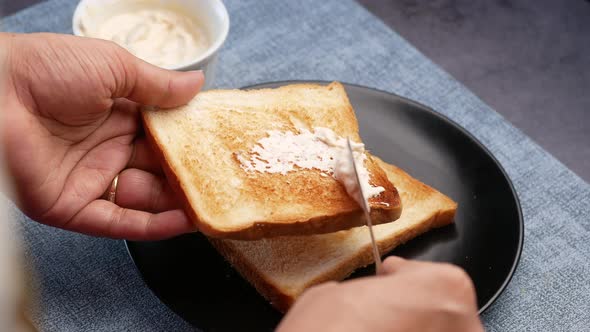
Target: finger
(103, 218)
(125, 105)
(147, 84)
(141, 190)
(392, 264)
(143, 157)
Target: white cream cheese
(284, 151)
(344, 173)
(162, 36)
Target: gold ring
(112, 192)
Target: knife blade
(366, 210)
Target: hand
(70, 124)
(411, 296)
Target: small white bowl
(211, 15)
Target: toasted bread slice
(282, 268)
(200, 146)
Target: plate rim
(440, 116)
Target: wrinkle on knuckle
(121, 69)
(117, 216)
(148, 226)
(133, 156)
(167, 92)
(156, 195)
(451, 309)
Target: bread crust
(171, 176)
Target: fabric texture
(90, 284)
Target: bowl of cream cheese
(173, 34)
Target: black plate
(188, 275)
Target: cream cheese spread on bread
(344, 173)
(286, 151)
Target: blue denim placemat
(90, 284)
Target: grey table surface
(529, 60)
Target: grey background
(529, 60)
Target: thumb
(147, 84)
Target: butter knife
(366, 211)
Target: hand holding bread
(70, 125)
